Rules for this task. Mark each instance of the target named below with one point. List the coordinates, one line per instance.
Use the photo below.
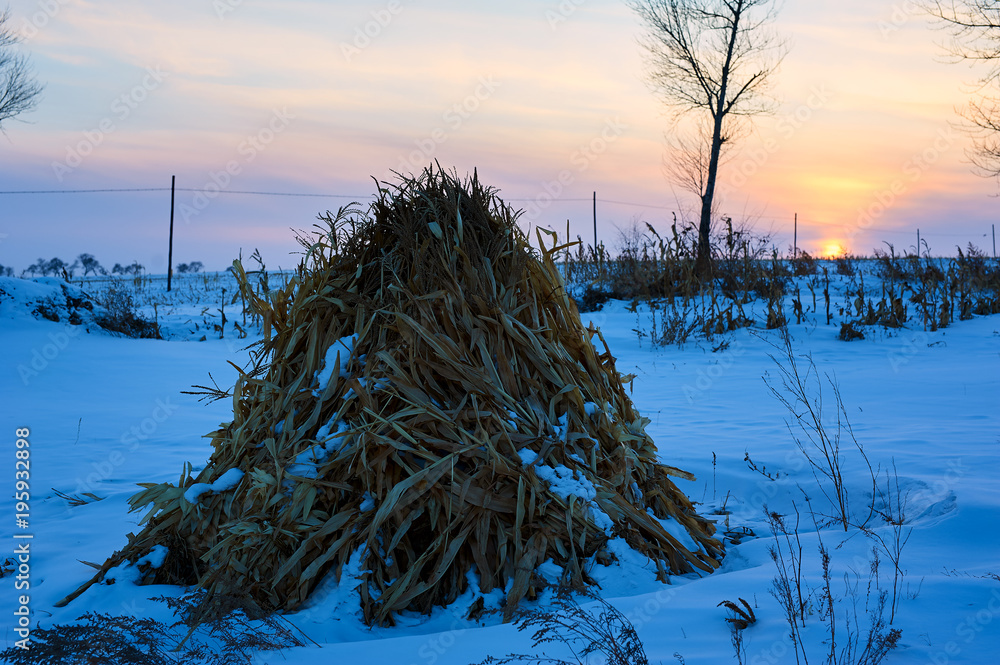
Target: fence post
(567, 242)
(170, 250)
(795, 238)
(595, 221)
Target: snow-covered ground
(106, 412)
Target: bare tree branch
(688, 154)
(19, 92)
(975, 36)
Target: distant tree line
(56, 267)
(194, 266)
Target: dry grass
(818, 434)
(231, 638)
(581, 632)
(660, 270)
(120, 314)
(468, 379)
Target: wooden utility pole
(567, 243)
(795, 238)
(595, 221)
(994, 227)
(170, 250)
(918, 243)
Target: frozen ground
(106, 413)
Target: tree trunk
(703, 263)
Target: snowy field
(106, 412)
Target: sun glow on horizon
(832, 250)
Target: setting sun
(832, 250)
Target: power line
(547, 202)
(235, 191)
(638, 205)
(368, 196)
(87, 191)
(179, 189)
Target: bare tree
(975, 31)
(713, 58)
(19, 92)
(89, 265)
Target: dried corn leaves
(427, 398)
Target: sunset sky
(322, 97)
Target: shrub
(803, 264)
(849, 333)
(677, 324)
(819, 435)
(121, 315)
(591, 299)
(845, 265)
(847, 641)
(975, 280)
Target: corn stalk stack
(426, 398)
